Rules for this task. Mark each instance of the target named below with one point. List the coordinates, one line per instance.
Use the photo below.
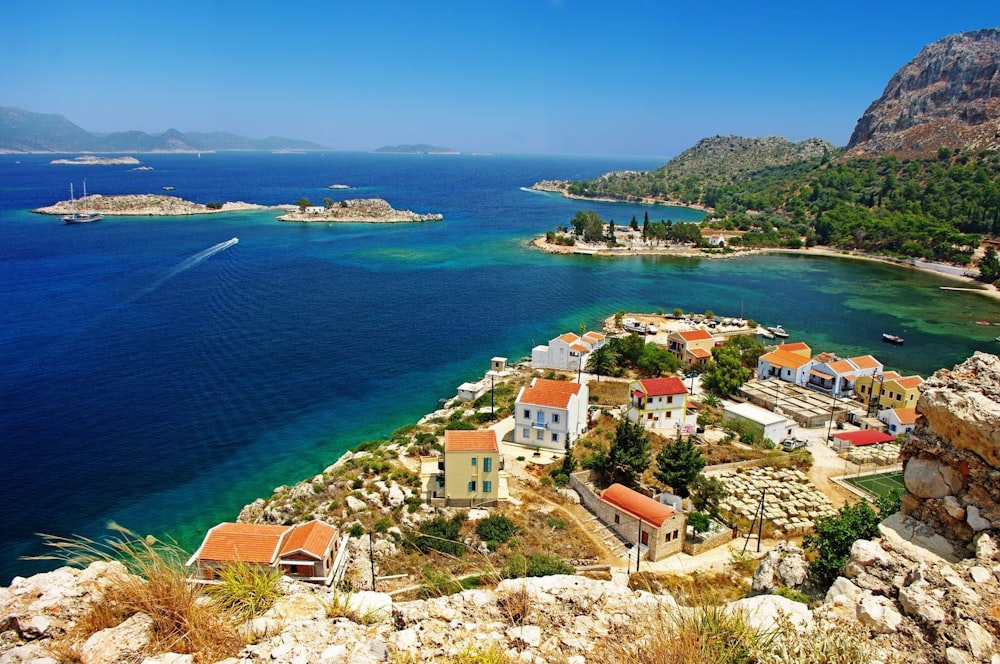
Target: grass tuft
(246, 590)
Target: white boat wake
(188, 263)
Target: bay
(145, 381)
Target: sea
(157, 374)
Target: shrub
(831, 541)
(495, 529)
(536, 564)
(413, 503)
(437, 583)
(213, 205)
(440, 534)
(382, 525)
(357, 530)
(246, 590)
(699, 521)
(792, 594)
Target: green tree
(634, 225)
(706, 493)
(604, 360)
(328, 202)
(656, 361)
(725, 372)
(678, 464)
(832, 538)
(303, 203)
(989, 266)
(629, 453)
(699, 521)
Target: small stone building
(657, 528)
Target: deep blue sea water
(146, 380)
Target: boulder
(979, 640)
(918, 603)
(118, 644)
(975, 521)
(878, 613)
(765, 612)
(843, 592)
(927, 478)
(396, 496)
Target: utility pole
(371, 556)
(638, 544)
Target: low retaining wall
(693, 547)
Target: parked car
(792, 444)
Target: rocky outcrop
(947, 96)
(359, 210)
(143, 205)
(93, 160)
(951, 462)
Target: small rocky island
(357, 210)
(144, 205)
(93, 160)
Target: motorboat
(778, 331)
(891, 338)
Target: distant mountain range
(419, 148)
(25, 131)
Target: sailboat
(84, 217)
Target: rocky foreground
(143, 205)
(359, 210)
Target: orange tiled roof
(480, 440)
(910, 382)
(890, 375)
(314, 538)
(695, 335)
(553, 393)
(785, 359)
(596, 336)
(656, 387)
(642, 507)
(249, 542)
(580, 348)
(700, 353)
(841, 367)
(569, 338)
(795, 346)
(865, 362)
(906, 415)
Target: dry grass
(700, 588)
(516, 605)
(157, 586)
(608, 392)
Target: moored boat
(778, 331)
(84, 217)
(892, 338)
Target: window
(472, 486)
(527, 414)
(473, 462)
(670, 399)
(540, 435)
(487, 465)
(555, 418)
(555, 438)
(524, 432)
(675, 535)
(649, 416)
(618, 519)
(487, 487)
(669, 414)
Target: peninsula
(93, 160)
(356, 210)
(145, 205)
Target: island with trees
(356, 210)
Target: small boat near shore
(891, 338)
(84, 217)
(778, 331)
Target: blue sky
(550, 76)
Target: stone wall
(693, 546)
(951, 462)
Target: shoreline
(988, 290)
(646, 200)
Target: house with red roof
(789, 362)
(472, 465)
(567, 352)
(550, 414)
(304, 551)
(656, 528)
(659, 403)
(889, 390)
(691, 347)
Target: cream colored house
(472, 465)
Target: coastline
(971, 283)
(645, 200)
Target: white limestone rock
(355, 504)
(843, 592)
(764, 612)
(980, 641)
(918, 602)
(927, 478)
(879, 614)
(975, 521)
(118, 644)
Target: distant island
(145, 205)
(93, 160)
(419, 148)
(25, 131)
(357, 210)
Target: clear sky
(545, 76)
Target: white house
(315, 209)
(769, 425)
(899, 420)
(658, 403)
(789, 362)
(550, 414)
(471, 391)
(834, 375)
(567, 352)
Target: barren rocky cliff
(947, 96)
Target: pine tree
(629, 453)
(678, 464)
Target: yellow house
(891, 390)
(692, 347)
(472, 466)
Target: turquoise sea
(152, 375)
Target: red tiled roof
(890, 375)
(249, 542)
(596, 336)
(695, 335)
(655, 387)
(864, 437)
(910, 382)
(841, 366)
(552, 393)
(569, 338)
(480, 440)
(795, 346)
(906, 415)
(642, 507)
(314, 538)
(579, 348)
(700, 352)
(783, 358)
(865, 362)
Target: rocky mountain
(947, 96)
(25, 131)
